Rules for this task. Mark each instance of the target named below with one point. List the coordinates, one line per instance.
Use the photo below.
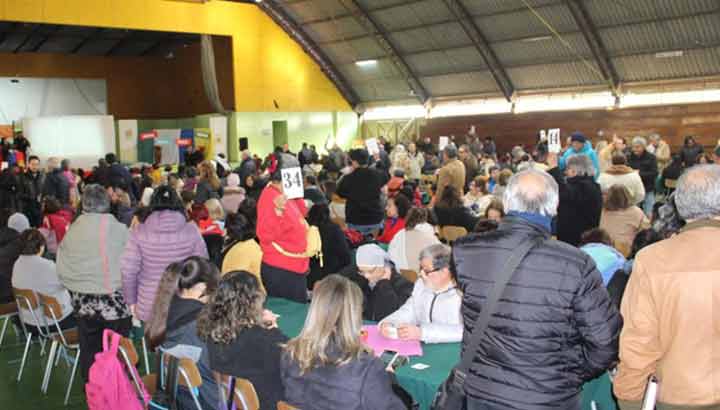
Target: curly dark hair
(237, 304)
(239, 228)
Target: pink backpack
(109, 387)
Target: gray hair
(654, 137)
(581, 164)
(698, 192)
(532, 191)
(451, 151)
(95, 200)
(440, 255)
(639, 141)
(53, 163)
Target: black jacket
(554, 328)
(362, 188)
(336, 254)
(254, 355)
(580, 206)
(362, 384)
(385, 298)
(689, 155)
(56, 185)
(646, 164)
(8, 189)
(30, 187)
(460, 216)
(182, 329)
(10, 247)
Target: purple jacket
(165, 237)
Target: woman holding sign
(282, 232)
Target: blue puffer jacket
(587, 150)
(554, 328)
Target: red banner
(148, 135)
(183, 142)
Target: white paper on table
(292, 181)
(554, 145)
(444, 141)
(372, 146)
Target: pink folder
(378, 343)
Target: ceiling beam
(26, 40)
(383, 39)
(595, 43)
(167, 41)
(293, 29)
(120, 43)
(86, 40)
(483, 47)
(45, 38)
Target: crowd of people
(616, 279)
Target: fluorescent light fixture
(535, 39)
(564, 102)
(670, 54)
(395, 112)
(366, 63)
(472, 107)
(669, 98)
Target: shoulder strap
(501, 281)
(701, 223)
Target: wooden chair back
(8, 308)
(51, 306)
(409, 274)
(189, 374)
(451, 233)
(285, 406)
(26, 297)
(245, 395)
(127, 346)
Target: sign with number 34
(292, 181)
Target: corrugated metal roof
(438, 51)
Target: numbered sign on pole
(554, 145)
(292, 181)
(444, 141)
(543, 135)
(372, 146)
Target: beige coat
(624, 225)
(452, 173)
(662, 153)
(671, 310)
(625, 176)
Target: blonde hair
(206, 170)
(331, 334)
(215, 209)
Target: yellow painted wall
(268, 65)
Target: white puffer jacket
(626, 176)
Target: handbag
(451, 394)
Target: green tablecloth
(422, 384)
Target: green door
(280, 133)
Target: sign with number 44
(292, 181)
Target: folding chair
(285, 406)
(7, 311)
(129, 356)
(451, 233)
(26, 299)
(409, 274)
(191, 379)
(68, 339)
(245, 397)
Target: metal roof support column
(283, 19)
(383, 39)
(594, 41)
(483, 47)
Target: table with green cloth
(422, 384)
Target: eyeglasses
(427, 273)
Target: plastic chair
(7, 311)
(450, 233)
(26, 299)
(409, 274)
(68, 339)
(285, 406)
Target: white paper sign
(444, 142)
(543, 135)
(554, 145)
(292, 181)
(4, 166)
(372, 146)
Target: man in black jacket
(56, 185)
(10, 247)
(384, 289)
(554, 327)
(580, 197)
(361, 187)
(30, 190)
(646, 165)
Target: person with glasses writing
(432, 313)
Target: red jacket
(287, 230)
(390, 229)
(59, 222)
